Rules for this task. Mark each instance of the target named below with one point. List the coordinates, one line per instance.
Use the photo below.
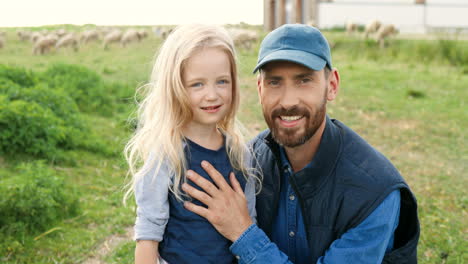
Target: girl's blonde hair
(158, 140)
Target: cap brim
(309, 60)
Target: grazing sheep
(23, 35)
(142, 33)
(384, 32)
(372, 27)
(243, 38)
(89, 35)
(129, 36)
(351, 27)
(114, 36)
(35, 36)
(44, 44)
(68, 40)
(61, 32)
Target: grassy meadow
(408, 100)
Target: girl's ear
(333, 84)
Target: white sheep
(114, 36)
(351, 27)
(89, 35)
(243, 38)
(129, 36)
(68, 40)
(35, 36)
(372, 27)
(61, 32)
(23, 35)
(44, 44)
(384, 32)
(143, 34)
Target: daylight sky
(17, 13)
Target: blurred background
(69, 74)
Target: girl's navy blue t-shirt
(190, 238)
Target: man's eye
(273, 83)
(305, 80)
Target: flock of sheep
(378, 29)
(45, 41)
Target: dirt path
(108, 246)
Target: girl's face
(207, 78)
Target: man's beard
(289, 137)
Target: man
(327, 196)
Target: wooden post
(272, 14)
(422, 2)
(282, 13)
(298, 7)
(268, 14)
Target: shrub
(18, 75)
(34, 200)
(26, 127)
(82, 84)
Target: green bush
(83, 85)
(18, 75)
(34, 200)
(26, 127)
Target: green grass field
(407, 100)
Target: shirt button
(292, 197)
(291, 234)
(237, 257)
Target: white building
(412, 16)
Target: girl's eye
(223, 82)
(195, 85)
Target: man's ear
(333, 84)
(259, 87)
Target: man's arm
(371, 239)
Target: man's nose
(289, 96)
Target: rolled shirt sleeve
(151, 194)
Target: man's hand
(227, 207)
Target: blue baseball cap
(297, 43)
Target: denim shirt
(366, 243)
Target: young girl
(187, 116)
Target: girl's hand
(227, 207)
